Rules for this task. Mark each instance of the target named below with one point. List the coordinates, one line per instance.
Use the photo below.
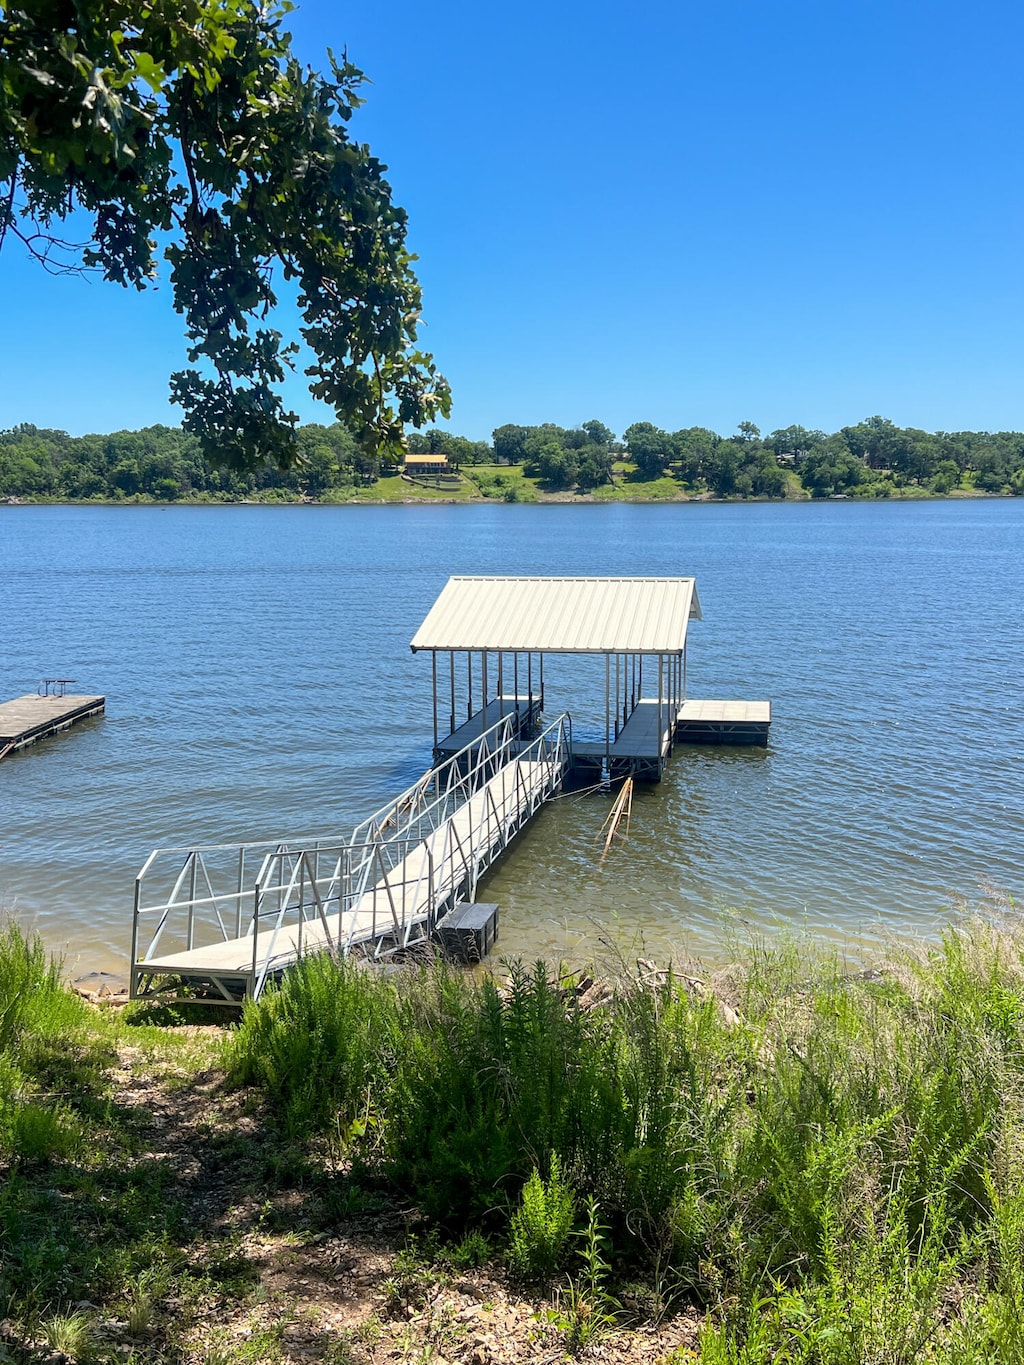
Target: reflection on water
(260, 685)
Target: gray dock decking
(724, 722)
(525, 710)
(32, 717)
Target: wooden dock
(32, 717)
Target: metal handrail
(295, 888)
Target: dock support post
(661, 701)
(607, 708)
(469, 684)
(684, 671)
(451, 666)
(542, 682)
(616, 696)
(483, 684)
(501, 684)
(433, 666)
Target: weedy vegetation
(828, 1171)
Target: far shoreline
(543, 500)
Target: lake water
(260, 685)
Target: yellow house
(427, 464)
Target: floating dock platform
(32, 717)
(724, 722)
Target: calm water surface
(259, 685)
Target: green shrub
(319, 1045)
(542, 1225)
(30, 984)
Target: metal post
(661, 688)
(542, 682)
(451, 664)
(192, 901)
(501, 683)
(344, 873)
(135, 936)
(433, 668)
(616, 696)
(238, 898)
(255, 933)
(607, 707)
(529, 677)
(684, 670)
(515, 676)
(469, 684)
(302, 898)
(483, 685)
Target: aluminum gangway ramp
(381, 891)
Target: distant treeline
(875, 458)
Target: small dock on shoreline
(27, 719)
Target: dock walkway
(638, 749)
(27, 719)
(379, 895)
(524, 711)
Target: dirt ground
(317, 1282)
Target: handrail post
(255, 935)
(135, 936)
(238, 898)
(192, 901)
(303, 865)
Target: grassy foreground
(784, 1164)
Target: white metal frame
(381, 891)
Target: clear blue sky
(684, 213)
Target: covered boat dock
(488, 638)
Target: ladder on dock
(381, 891)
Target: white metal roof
(561, 615)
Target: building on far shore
(427, 464)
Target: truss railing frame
(291, 882)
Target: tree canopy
(874, 459)
(187, 129)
